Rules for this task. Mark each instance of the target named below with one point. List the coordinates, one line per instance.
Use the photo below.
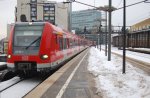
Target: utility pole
(106, 34)
(124, 36)
(69, 14)
(84, 31)
(100, 35)
(109, 34)
(71, 17)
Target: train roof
(29, 23)
(57, 30)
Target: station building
(142, 25)
(137, 37)
(36, 10)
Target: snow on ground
(2, 63)
(7, 83)
(146, 49)
(110, 81)
(20, 89)
(139, 56)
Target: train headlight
(9, 56)
(44, 56)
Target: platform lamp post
(85, 32)
(69, 14)
(124, 36)
(100, 36)
(100, 31)
(105, 9)
(106, 34)
(108, 9)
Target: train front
(24, 51)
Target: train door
(60, 41)
(65, 46)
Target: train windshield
(27, 39)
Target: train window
(74, 43)
(27, 39)
(65, 43)
(56, 39)
(79, 41)
(61, 43)
(68, 43)
(25, 36)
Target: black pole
(124, 36)
(106, 35)
(109, 32)
(100, 35)
(3, 47)
(84, 31)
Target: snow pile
(110, 81)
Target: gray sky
(135, 13)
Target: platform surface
(62, 85)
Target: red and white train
(41, 46)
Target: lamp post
(108, 9)
(69, 14)
(100, 35)
(106, 34)
(124, 36)
(100, 31)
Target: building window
(33, 18)
(49, 13)
(46, 8)
(33, 13)
(51, 18)
(46, 18)
(33, 10)
(52, 9)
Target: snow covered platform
(71, 81)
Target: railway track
(17, 80)
(138, 63)
(139, 50)
(144, 65)
(139, 54)
(20, 88)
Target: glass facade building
(85, 18)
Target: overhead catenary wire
(133, 4)
(144, 1)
